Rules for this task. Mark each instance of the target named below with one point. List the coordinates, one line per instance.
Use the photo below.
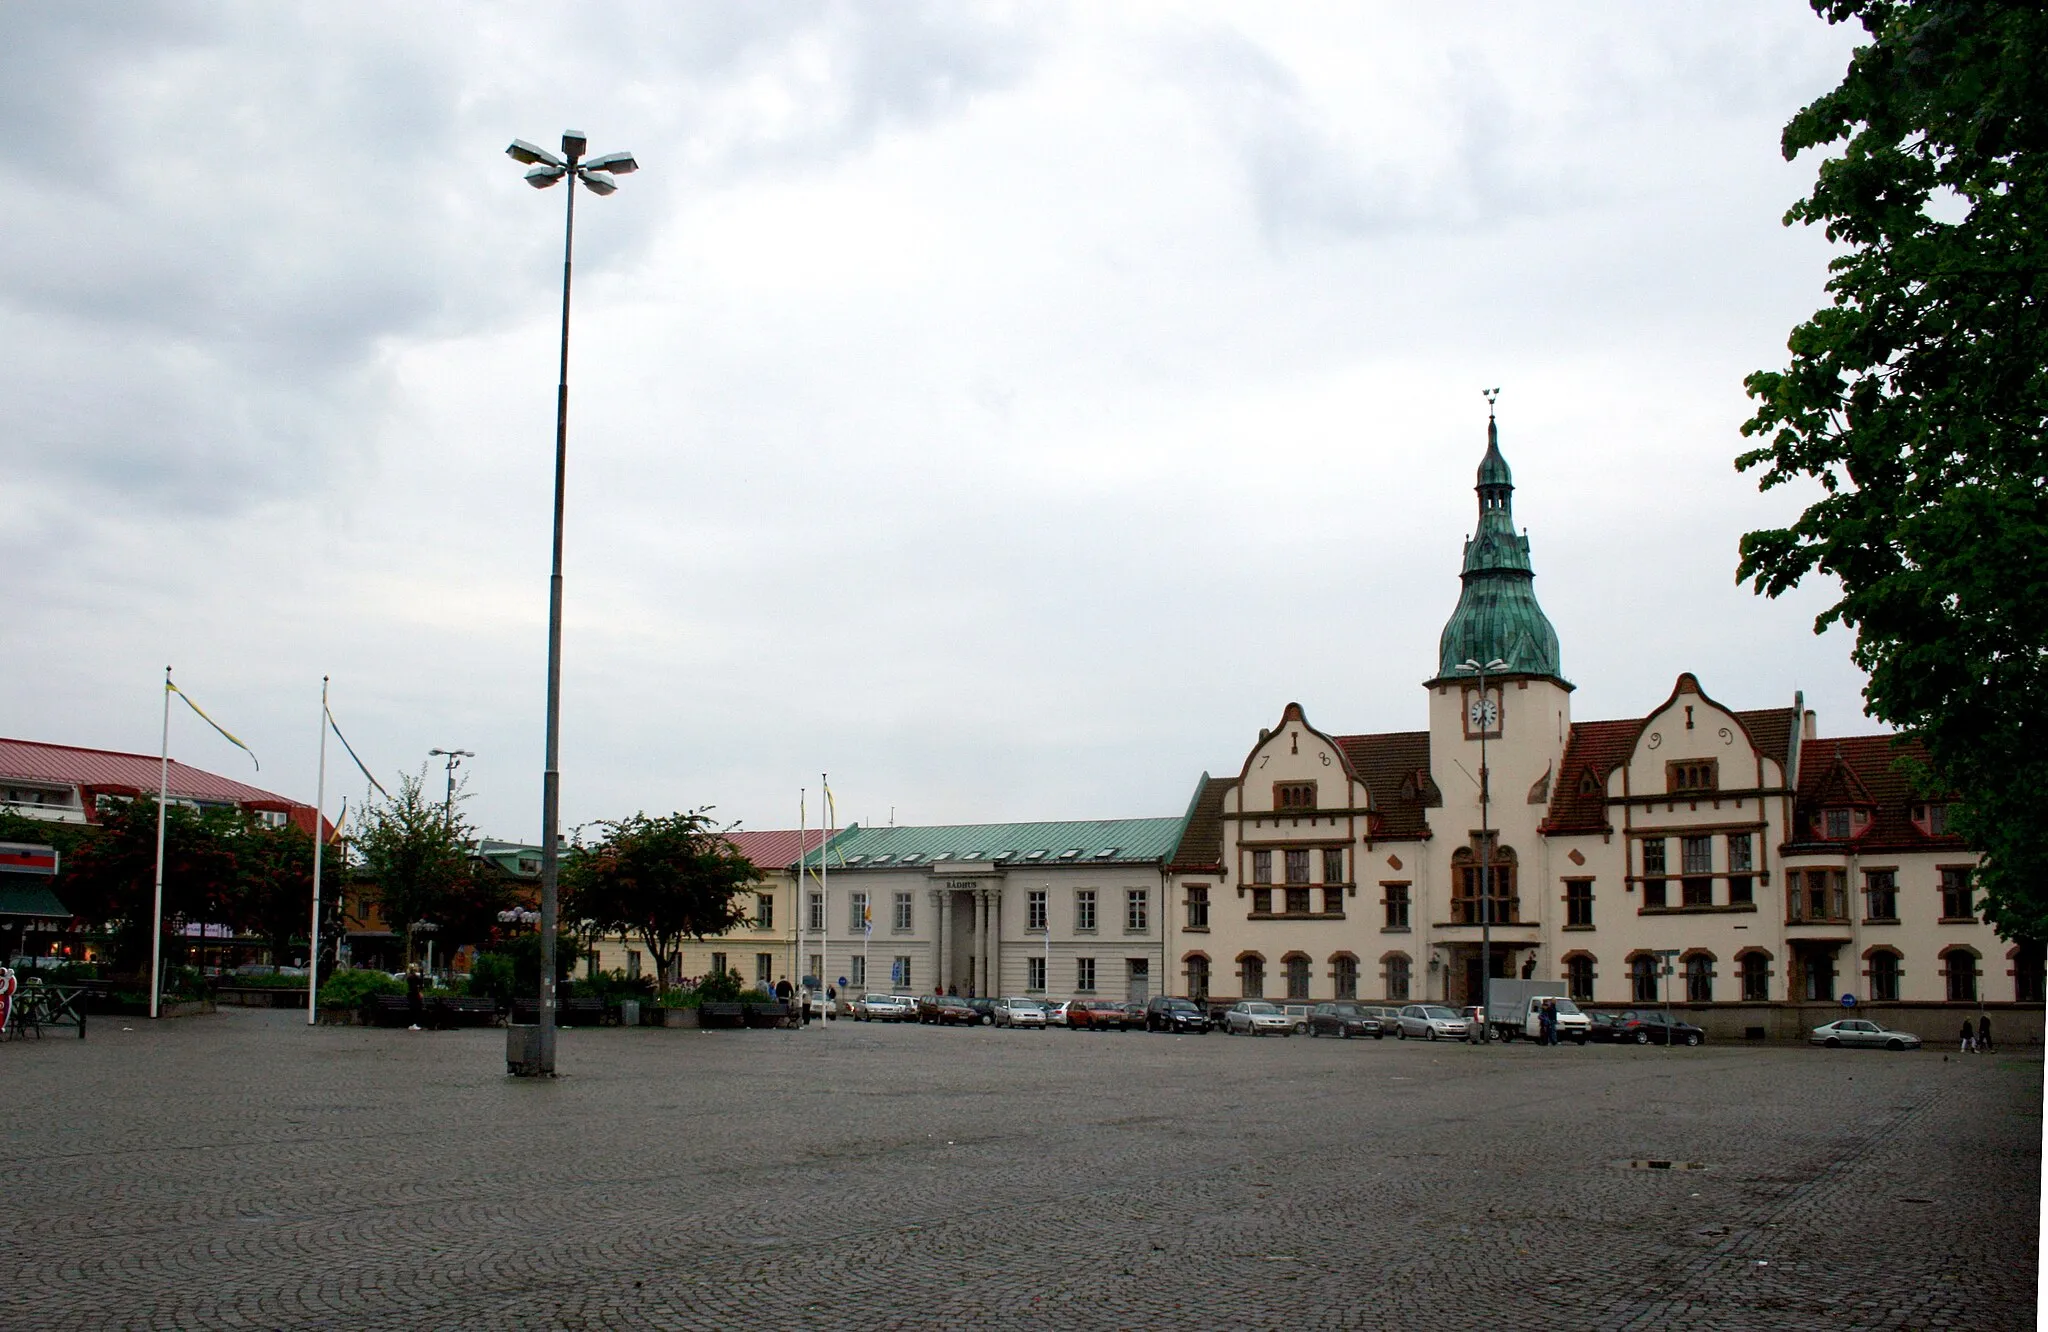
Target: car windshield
(1432, 1011)
(1260, 1008)
(1567, 1006)
(1345, 1010)
(1024, 1006)
(1179, 1006)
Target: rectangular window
(1034, 910)
(1262, 867)
(1397, 978)
(1262, 901)
(1955, 895)
(1333, 901)
(899, 973)
(1084, 909)
(1579, 978)
(1756, 978)
(1578, 903)
(1297, 867)
(632, 964)
(1294, 795)
(1653, 893)
(1690, 775)
(1333, 865)
(1297, 977)
(1347, 977)
(1084, 975)
(1034, 974)
(1884, 977)
(903, 913)
(860, 971)
(1297, 901)
(1198, 978)
(1699, 980)
(1937, 820)
(1881, 894)
(764, 969)
(817, 913)
(1137, 910)
(1697, 854)
(1653, 872)
(1395, 899)
(814, 977)
(1198, 908)
(857, 912)
(718, 966)
(764, 911)
(1254, 978)
(1835, 825)
(1741, 867)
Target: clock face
(1485, 714)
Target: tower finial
(1489, 395)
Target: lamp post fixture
(454, 757)
(596, 174)
(1484, 715)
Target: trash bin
(629, 1012)
(522, 1049)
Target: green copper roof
(1497, 617)
(1013, 845)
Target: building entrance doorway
(1474, 993)
(1139, 969)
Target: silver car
(1256, 1017)
(1862, 1031)
(886, 1008)
(1431, 1022)
(1020, 1013)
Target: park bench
(463, 1010)
(39, 1004)
(768, 1015)
(568, 1012)
(721, 1015)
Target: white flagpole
(803, 816)
(163, 788)
(319, 854)
(825, 870)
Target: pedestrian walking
(1983, 1033)
(1969, 1037)
(415, 991)
(782, 990)
(1547, 1022)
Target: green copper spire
(1497, 616)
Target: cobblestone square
(242, 1170)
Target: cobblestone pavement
(242, 1170)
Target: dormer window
(1834, 824)
(1294, 795)
(1691, 775)
(1931, 819)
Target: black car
(987, 1009)
(1650, 1027)
(1165, 1013)
(1344, 1019)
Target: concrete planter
(679, 1017)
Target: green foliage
(719, 987)
(659, 879)
(494, 974)
(184, 983)
(612, 986)
(523, 952)
(274, 884)
(416, 850)
(1918, 401)
(110, 878)
(261, 982)
(348, 986)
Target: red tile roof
(1578, 795)
(1863, 771)
(777, 848)
(112, 772)
(1201, 840)
(1771, 729)
(1395, 768)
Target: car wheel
(1894, 1045)
(1402, 1034)
(1432, 1033)
(1582, 1040)
(1692, 1038)
(1642, 1038)
(1834, 1042)
(1347, 1033)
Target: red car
(1100, 1014)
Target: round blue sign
(1848, 1001)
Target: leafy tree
(110, 879)
(660, 879)
(1918, 399)
(274, 871)
(416, 850)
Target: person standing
(1984, 1033)
(1969, 1037)
(1547, 1022)
(415, 992)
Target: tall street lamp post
(597, 176)
(454, 757)
(1484, 715)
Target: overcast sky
(1007, 409)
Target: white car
(1256, 1017)
(1020, 1013)
(1056, 1014)
(1431, 1022)
(886, 1008)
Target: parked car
(1604, 1027)
(1431, 1022)
(1020, 1013)
(1345, 1019)
(946, 1010)
(1256, 1017)
(1166, 1013)
(1056, 1014)
(1134, 1015)
(987, 1009)
(1862, 1031)
(1298, 1015)
(1388, 1018)
(1097, 1015)
(1653, 1027)
(885, 1008)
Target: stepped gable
(1864, 771)
(1395, 768)
(1201, 840)
(1578, 799)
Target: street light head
(529, 153)
(544, 175)
(573, 144)
(599, 185)
(619, 164)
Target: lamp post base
(523, 1052)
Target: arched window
(1344, 973)
(1251, 973)
(1578, 976)
(1699, 978)
(1467, 877)
(1756, 976)
(2028, 961)
(1960, 965)
(1884, 974)
(1297, 975)
(1198, 976)
(1642, 978)
(1395, 966)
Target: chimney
(1809, 725)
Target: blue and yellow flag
(225, 733)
